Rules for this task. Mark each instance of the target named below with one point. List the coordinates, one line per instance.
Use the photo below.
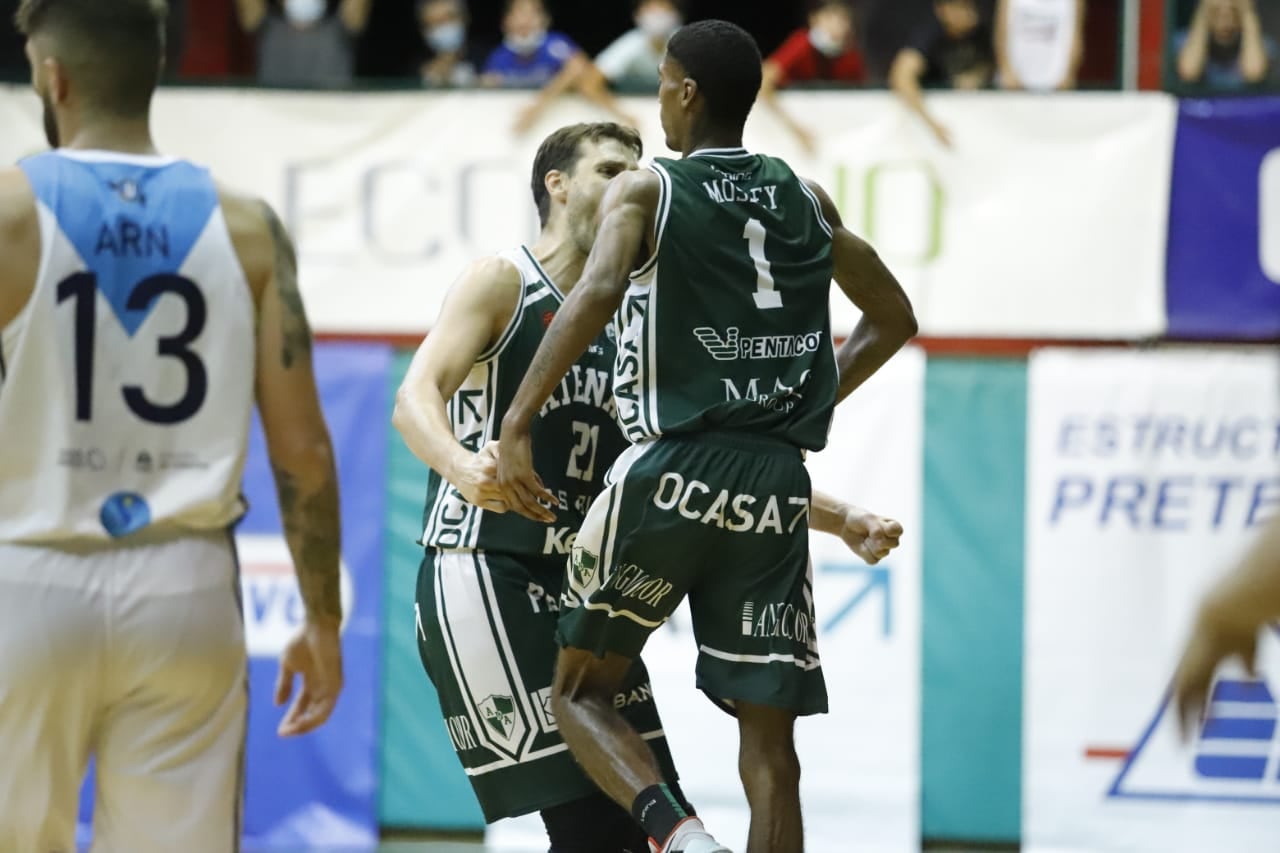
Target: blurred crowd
(597, 48)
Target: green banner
(422, 785)
(974, 484)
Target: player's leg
(51, 638)
(608, 748)
(621, 587)
(486, 634)
(770, 772)
(753, 620)
(170, 752)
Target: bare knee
(584, 680)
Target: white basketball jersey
(1041, 34)
(126, 383)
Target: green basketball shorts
(723, 519)
(486, 626)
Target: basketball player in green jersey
(490, 585)
(725, 375)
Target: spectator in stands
(825, 51)
(306, 43)
(1224, 47)
(632, 60)
(450, 60)
(1039, 43)
(952, 49)
(532, 55)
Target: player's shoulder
(17, 204)
(257, 234)
(491, 285)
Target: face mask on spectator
(658, 23)
(304, 12)
(525, 45)
(824, 43)
(445, 38)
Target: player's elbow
(306, 456)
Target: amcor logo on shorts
(273, 608)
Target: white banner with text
(1148, 474)
(1046, 218)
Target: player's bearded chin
(50, 120)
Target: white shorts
(134, 655)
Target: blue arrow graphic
(878, 577)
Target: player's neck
(560, 259)
(125, 137)
(712, 139)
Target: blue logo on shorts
(124, 513)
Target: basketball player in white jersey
(141, 310)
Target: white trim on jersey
(660, 220)
(817, 206)
(740, 151)
(100, 156)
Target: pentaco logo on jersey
(732, 347)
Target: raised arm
(476, 312)
(627, 216)
(771, 77)
(1195, 50)
(1253, 45)
(887, 319)
(904, 78)
(301, 459)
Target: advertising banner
(1046, 218)
(860, 781)
(1224, 220)
(1148, 475)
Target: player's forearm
(827, 513)
(307, 487)
(593, 86)
(421, 417)
(585, 313)
(1250, 594)
(866, 351)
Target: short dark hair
(116, 46)
(724, 60)
(560, 151)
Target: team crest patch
(584, 567)
(500, 714)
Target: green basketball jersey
(575, 438)
(728, 327)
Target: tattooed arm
(301, 457)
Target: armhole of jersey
(664, 208)
(512, 325)
(817, 206)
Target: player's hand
(476, 479)
(522, 488)
(870, 536)
(1215, 638)
(315, 654)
